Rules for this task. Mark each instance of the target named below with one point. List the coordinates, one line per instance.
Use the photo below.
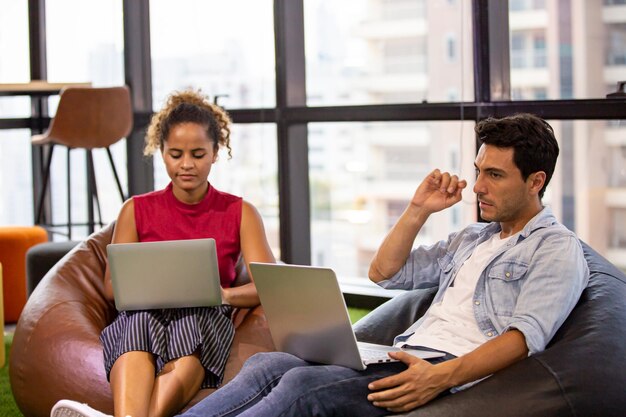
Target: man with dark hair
(504, 289)
(532, 140)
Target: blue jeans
(279, 384)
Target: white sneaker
(69, 408)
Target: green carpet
(7, 404)
(357, 314)
(8, 408)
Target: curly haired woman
(157, 360)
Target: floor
(9, 328)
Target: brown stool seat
(86, 118)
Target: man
(504, 289)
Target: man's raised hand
(438, 191)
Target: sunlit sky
(178, 29)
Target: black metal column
(492, 79)
(293, 165)
(138, 76)
(39, 105)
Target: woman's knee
(134, 359)
(189, 363)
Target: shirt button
(489, 334)
(508, 274)
(477, 302)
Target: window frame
(291, 114)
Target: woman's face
(189, 154)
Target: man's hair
(534, 146)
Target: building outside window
(15, 155)
(374, 52)
(235, 66)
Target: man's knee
(315, 377)
(274, 361)
(326, 390)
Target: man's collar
(542, 219)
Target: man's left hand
(409, 389)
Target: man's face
(502, 193)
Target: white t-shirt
(450, 325)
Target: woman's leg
(132, 381)
(257, 378)
(176, 385)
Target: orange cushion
(2, 353)
(14, 242)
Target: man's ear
(536, 180)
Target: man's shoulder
(550, 230)
(546, 222)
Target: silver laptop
(308, 318)
(166, 274)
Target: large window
(95, 32)
(15, 157)
(563, 49)
(363, 175)
(392, 91)
(388, 51)
(15, 178)
(14, 51)
(224, 48)
(214, 47)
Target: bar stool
(86, 118)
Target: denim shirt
(531, 284)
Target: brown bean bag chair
(56, 351)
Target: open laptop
(166, 274)
(308, 318)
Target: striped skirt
(173, 333)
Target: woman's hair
(188, 106)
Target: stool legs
(117, 178)
(44, 186)
(91, 190)
(93, 200)
(92, 193)
(69, 196)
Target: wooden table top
(36, 87)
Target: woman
(157, 360)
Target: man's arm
(423, 381)
(438, 191)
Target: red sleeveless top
(160, 216)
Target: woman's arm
(125, 232)
(254, 248)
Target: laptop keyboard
(374, 355)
